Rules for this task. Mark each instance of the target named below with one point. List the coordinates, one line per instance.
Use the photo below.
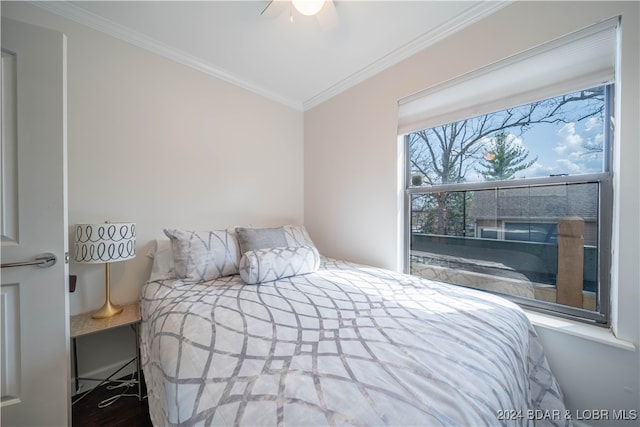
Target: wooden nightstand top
(84, 324)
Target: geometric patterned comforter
(346, 345)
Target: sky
(560, 148)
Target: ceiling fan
(323, 10)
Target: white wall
(355, 211)
(160, 144)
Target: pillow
(252, 239)
(297, 235)
(265, 265)
(162, 267)
(204, 255)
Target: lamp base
(106, 311)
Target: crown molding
(436, 34)
(106, 26)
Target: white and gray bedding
(344, 345)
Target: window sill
(577, 329)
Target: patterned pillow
(204, 255)
(266, 265)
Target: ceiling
(300, 63)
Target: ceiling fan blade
(328, 16)
(274, 8)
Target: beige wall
(160, 144)
(353, 197)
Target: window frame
(602, 315)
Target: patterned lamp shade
(106, 242)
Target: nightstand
(84, 324)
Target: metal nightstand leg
(136, 327)
(75, 364)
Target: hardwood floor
(126, 411)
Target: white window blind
(580, 60)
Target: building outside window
(517, 198)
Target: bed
(302, 339)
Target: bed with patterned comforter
(344, 345)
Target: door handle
(44, 260)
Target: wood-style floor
(126, 411)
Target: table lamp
(103, 244)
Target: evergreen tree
(503, 159)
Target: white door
(34, 305)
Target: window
(517, 199)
